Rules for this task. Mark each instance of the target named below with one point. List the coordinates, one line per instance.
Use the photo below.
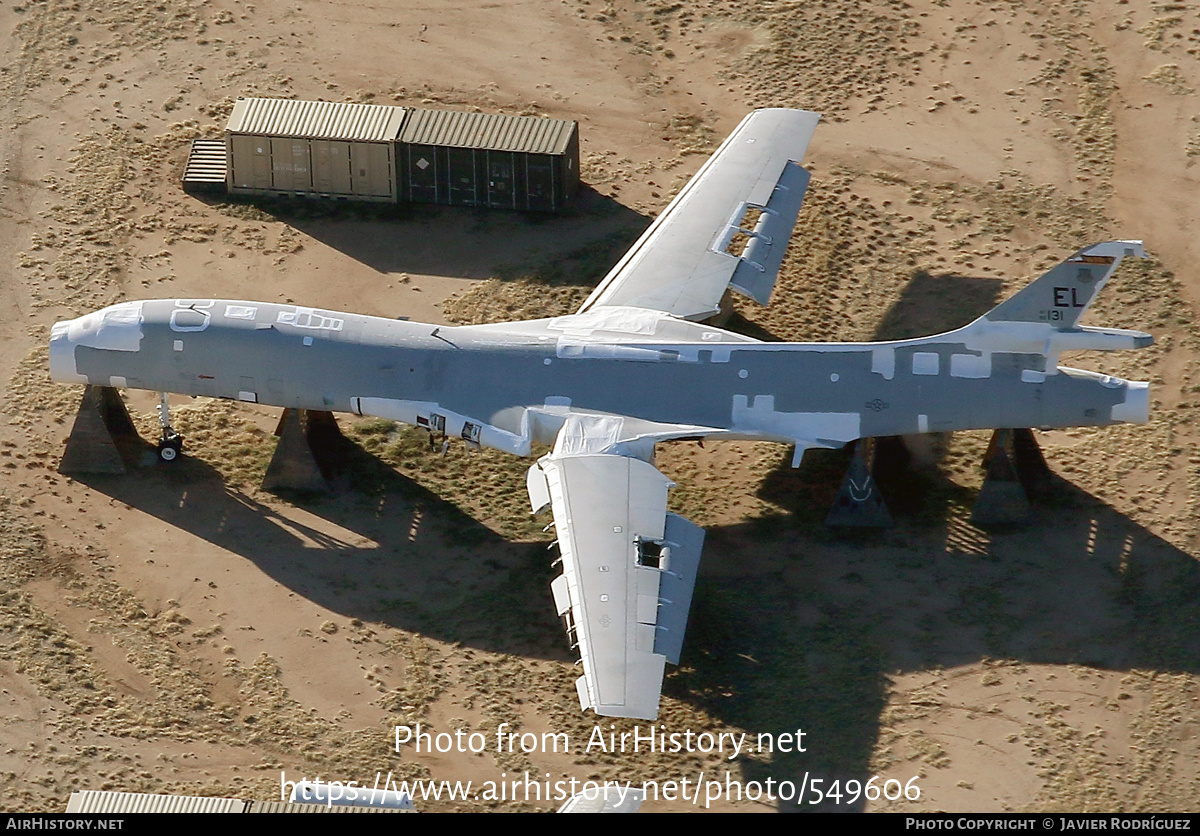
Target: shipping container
(400, 155)
(482, 159)
(98, 801)
(322, 149)
(102, 801)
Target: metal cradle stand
(1015, 468)
(102, 425)
(859, 503)
(294, 465)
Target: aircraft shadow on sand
(792, 626)
(811, 637)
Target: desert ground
(179, 630)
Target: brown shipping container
(325, 149)
(481, 159)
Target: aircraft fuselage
(506, 385)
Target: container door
(263, 179)
(360, 170)
(241, 156)
(462, 176)
(281, 163)
(540, 174)
(321, 179)
(500, 180)
(251, 162)
(301, 165)
(290, 165)
(371, 175)
(339, 168)
(331, 167)
(381, 171)
(422, 173)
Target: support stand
(859, 503)
(101, 424)
(1015, 468)
(1032, 469)
(294, 466)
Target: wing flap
(685, 540)
(539, 491)
(562, 596)
(615, 540)
(682, 263)
(768, 240)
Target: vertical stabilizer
(1062, 295)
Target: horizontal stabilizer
(1099, 339)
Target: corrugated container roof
(491, 132)
(316, 120)
(97, 801)
(286, 807)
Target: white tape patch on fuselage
(968, 365)
(116, 328)
(760, 416)
(883, 362)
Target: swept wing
(629, 568)
(745, 198)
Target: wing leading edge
(745, 197)
(629, 569)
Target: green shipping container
(481, 159)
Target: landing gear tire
(170, 447)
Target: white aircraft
(635, 366)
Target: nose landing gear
(170, 444)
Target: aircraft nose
(62, 350)
(1136, 408)
(115, 328)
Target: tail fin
(1062, 295)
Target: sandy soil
(178, 630)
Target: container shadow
(428, 239)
